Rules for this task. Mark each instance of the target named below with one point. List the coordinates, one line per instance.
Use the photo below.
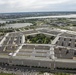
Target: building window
(59, 38)
(10, 61)
(62, 44)
(64, 39)
(67, 51)
(70, 39)
(20, 41)
(59, 49)
(20, 37)
(69, 44)
(75, 53)
(57, 42)
(75, 45)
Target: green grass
(40, 39)
(6, 74)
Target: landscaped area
(6, 74)
(39, 39)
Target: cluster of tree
(60, 73)
(2, 24)
(6, 30)
(22, 21)
(40, 39)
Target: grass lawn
(6, 74)
(39, 39)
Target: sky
(37, 5)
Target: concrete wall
(32, 63)
(39, 63)
(65, 65)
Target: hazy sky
(37, 5)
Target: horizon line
(39, 12)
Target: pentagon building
(61, 53)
